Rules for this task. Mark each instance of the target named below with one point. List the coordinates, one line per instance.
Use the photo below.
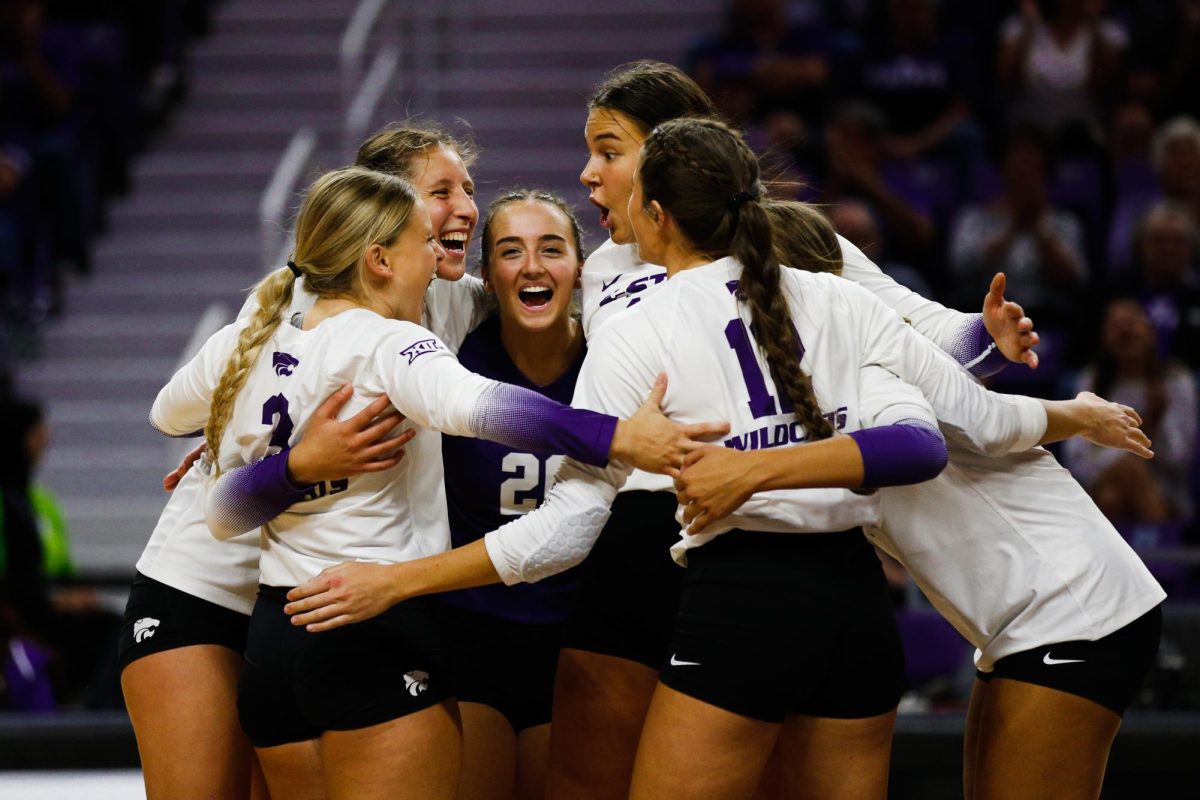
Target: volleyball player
(185, 623)
(503, 641)
(365, 248)
(1020, 560)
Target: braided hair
(706, 177)
(344, 213)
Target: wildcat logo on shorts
(416, 682)
(418, 349)
(284, 363)
(144, 628)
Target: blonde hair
(344, 213)
(803, 237)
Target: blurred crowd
(1054, 140)
(83, 83)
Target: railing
(293, 165)
(371, 90)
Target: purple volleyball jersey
(490, 484)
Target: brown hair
(520, 194)
(650, 93)
(803, 237)
(394, 149)
(344, 213)
(706, 177)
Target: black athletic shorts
(772, 624)
(1108, 671)
(628, 585)
(500, 663)
(296, 685)
(159, 617)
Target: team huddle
(451, 538)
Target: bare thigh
(533, 757)
(183, 705)
(837, 759)
(292, 771)
(1033, 742)
(415, 757)
(692, 750)
(600, 703)
(489, 754)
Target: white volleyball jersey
(696, 331)
(366, 517)
(615, 278)
(1014, 554)
(182, 552)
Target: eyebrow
(606, 135)
(518, 240)
(450, 182)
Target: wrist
(297, 470)
(619, 447)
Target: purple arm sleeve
(974, 349)
(527, 421)
(895, 455)
(250, 496)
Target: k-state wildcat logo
(144, 628)
(416, 681)
(284, 363)
(417, 349)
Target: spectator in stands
(1038, 246)
(1175, 156)
(1168, 281)
(856, 221)
(922, 81)
(761, 64)
(1059, 61)
(856, 162)
(1163, 65)
(1129, 370)
(67, 624)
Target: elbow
(224, 519)
(901, 454)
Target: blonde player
(185, 624)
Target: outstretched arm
(983, 343)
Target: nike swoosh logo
(604, 287)
(1046, 659)
(675, 662)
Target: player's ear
(658, 216)
(376, 261)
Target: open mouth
(535, 298)
(455, 242)
(603, 212)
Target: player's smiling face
(412, 259)
(446, 188)
(614, 142)
(533, 264)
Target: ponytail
(705, 176)
(274, 295)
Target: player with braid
(1066, 622)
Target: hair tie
(738, 199)
(295, 270)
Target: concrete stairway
(188, 238)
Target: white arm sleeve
(943, 326)
(968, 414)
(182, 406)
(615, 379)
(426, 383)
